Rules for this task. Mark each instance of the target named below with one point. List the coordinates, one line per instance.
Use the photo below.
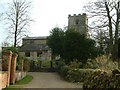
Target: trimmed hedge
(79, 75)
(74, 74)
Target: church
(36, 48)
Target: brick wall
(3, 79)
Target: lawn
(19, 83)
(25, 80)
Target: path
(49, 80)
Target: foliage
(72, 74)
(101, 79)
(61, 68)
(105, 16)
(46, 63)
(13, 49)
(63, 71)
(26, 65)
(75, 64)
(6, 58)
(79, 75)
(71, 45)
(102, 62)
(19, 63)
(119, 49)
(77, 46)
(55, 40)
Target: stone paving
(49, 80)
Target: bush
(63, 71)
(101, 79)
(102, 62)
(75, 64)
(79, 75)
(26, 65)
(72, 74)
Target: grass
(19, 83)
(13, 87)
(25, 80)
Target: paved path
(49, 80)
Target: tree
(77, 47)
(119, 48)
(18, 19)
(55, 41)
(106, 15)
(102, 39)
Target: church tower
(79, 23)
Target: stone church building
(79, 23)
(35, 48)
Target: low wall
(20, 75)
(3, 79)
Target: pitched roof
(42, 37)
(33, 47)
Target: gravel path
(49, 80)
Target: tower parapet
(78, 22)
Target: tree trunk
(116, 33)
(16, 28)
(110, 29)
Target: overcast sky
(47, 14)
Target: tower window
(27, 54)
(77, 22)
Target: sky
(47, 14)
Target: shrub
(63, 71)
(79, 75)
(75, 64)
(101, 79)
(102, 62)
(73, 74)
(26, 65)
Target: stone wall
(20, 75)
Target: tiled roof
(34, 47)
(42, 37)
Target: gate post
(6, 64)
(13, 69)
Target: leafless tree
(105, 14)
(18, 19)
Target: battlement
(78, 22)
(74, 15)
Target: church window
(77, 22)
